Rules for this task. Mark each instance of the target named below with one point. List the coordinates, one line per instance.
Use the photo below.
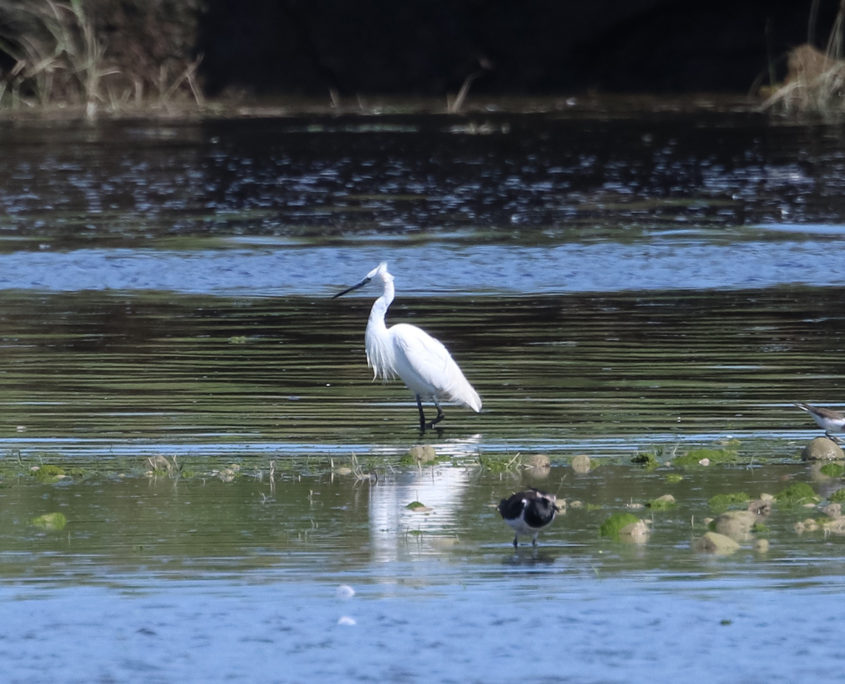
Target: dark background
(520, 47)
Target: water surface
(612, 284)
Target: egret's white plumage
(407, 352)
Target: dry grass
(59, 60)
(815, 80)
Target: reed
(58, 58)
(815, 80)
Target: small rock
(538, 465)
(822, 449)
(761, 546)
(835, 526)
(713, 542)
(636, 533)
(581, 464)
(833, 510)
(662, 503)
(807, 525)
(735, 524)
(423, 453)
(760, 507)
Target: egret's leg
(515, 541)
(833, 437)
(440, 416)
(422, 415)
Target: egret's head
(379, 271)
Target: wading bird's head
(379, 271)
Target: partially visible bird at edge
(528, 512)
(409, 353)
(828, 420)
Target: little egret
(528, 512)
(827, 420)
(411, 354)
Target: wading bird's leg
(422, 415)
(440, 416)
(833, 437)
(515, 542)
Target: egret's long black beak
(354, 287)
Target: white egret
(826, 419)
(528, 512)
(411, 354)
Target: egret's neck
(377, 340)
(379, 310)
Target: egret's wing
(427, 363)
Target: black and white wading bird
(411, 354)
(528, 512)
(827, 420)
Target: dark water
(611, 284)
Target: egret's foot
(434, 421)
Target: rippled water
(610, 283)
(550, 202)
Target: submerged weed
(48, 473)
(797, 494)
(614, 524)
(832, 469)
(722, 502)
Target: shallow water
(325, 575)
(611, 285)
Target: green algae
(797, 494)
(51, 522)
(838, 496)
(722, 502)
(48, 473)
(703, 457)
(832, 469)
(613, 525)
(662, 503)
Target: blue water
(421, 623)
(440, 268)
